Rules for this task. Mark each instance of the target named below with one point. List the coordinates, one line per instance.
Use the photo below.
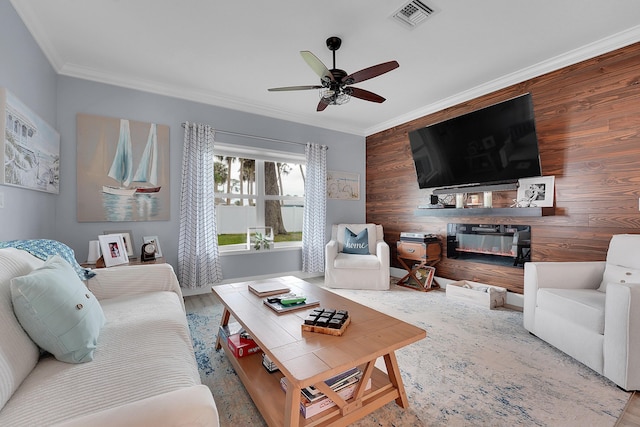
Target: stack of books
(268, 364)
(239, 342)
(313, 402)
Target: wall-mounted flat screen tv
(494, 145)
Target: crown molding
(34, 26)
(599, 47)
(209, 98)
(592, 50)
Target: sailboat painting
(123, 170)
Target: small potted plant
(259, 238)
(260, 241)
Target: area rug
(477, 367)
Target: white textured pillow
(58, 311)
(18, 353)
(618, 274)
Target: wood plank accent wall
(588, 125)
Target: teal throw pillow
(58, 311)
(356, 243)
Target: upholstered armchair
(590, 310)
(368, 269)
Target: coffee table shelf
(307, 358)
(261, 385)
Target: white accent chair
(351, 271)
(590, 310)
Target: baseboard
(206, 289)
(514, 301)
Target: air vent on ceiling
(413, 13)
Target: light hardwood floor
(630, 417)
(631, 414)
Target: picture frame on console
(114, 250)
(127, 236)
(156, 241)
(535, 192)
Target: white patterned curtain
(315, 209)
(198, 256)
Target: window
(258, 189)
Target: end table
(427, 254)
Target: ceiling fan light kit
(335, 84)
(331, 97)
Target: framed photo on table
(127, 236)
(114, 251)
(154, 239)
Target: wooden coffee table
(309, 358)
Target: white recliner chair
(590, 310)
(357, 271)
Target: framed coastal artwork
(343, 185)
(122, 170)
(30, 148)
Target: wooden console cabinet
(426, 254)
(132, 261)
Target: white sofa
(355, 271)
(143, 371)
(590, 310)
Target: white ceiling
(227, 53)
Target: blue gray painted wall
(346, 152)
(26, 72)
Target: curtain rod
(255, 137)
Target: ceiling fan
(335, 84)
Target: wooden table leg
(406, 277)
(292, 405)
(411, 275)
(226, 314)
(394, 376)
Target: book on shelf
(264, 288)
(309, 409)
(336, 383)
(279, 307)
(268, 364)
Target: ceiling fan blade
(322, 105)
(371, 72)
(366, 95)
(280, 89)
(317, 66)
